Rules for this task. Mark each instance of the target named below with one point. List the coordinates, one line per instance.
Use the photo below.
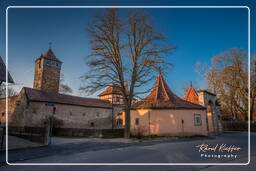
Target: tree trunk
(127, 124)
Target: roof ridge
(157, 89)
(166, 87)
(51, 97)
(62, 94)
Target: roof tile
(51, 97)
(191, 95)
(112, 89)
(49, 55)
(161, 97)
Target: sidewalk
(18, 143)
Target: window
(137, 121)
(3, 114)
(92, 124)
(197, 120)
(18, 102)
(117, 99)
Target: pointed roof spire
(162, 97)
(160, 90)
(49, 55)
(191, 95)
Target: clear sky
(199, 34)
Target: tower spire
(50, 45)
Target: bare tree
(64, 88)
(228, 78)
(126, 52)
(253, 85)
(11, 91)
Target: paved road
(153, 152)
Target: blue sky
(199, 34)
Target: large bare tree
(125, 51)
(64, 88)
(11, 91)
(228, 78)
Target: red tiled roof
(3, 73)
(161, 97)
(51, 97)
(49, 55)
(112, 89)
(191, 95)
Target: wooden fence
(238, 126)
(97, 133)
(34, 134)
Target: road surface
(183, 151)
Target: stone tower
(47, 72)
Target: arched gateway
(207, 99)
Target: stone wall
(51, 79)
(22, 112)
(46, 77)
(68, 116)
(38, 74)
(214, 117)
(16, 107)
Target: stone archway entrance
(209, 119)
